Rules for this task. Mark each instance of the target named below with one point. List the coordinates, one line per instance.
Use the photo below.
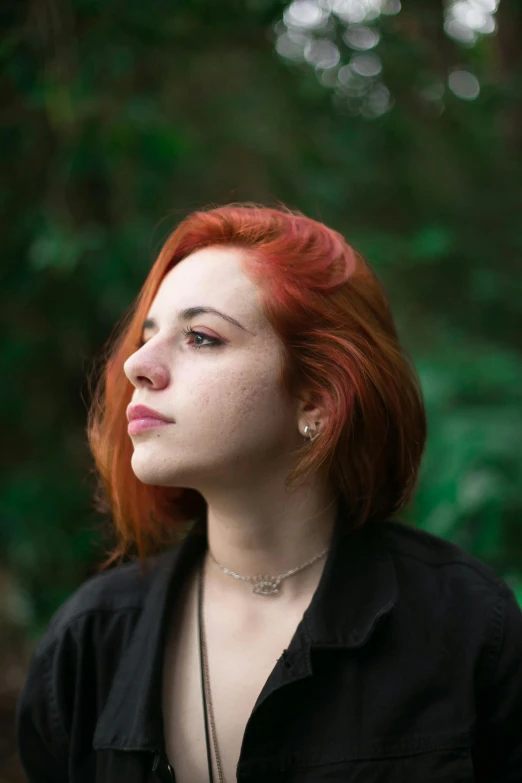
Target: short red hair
(339, 341)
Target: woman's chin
(146, 470)
(155, 473)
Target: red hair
(339, 341)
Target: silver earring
(306, 435)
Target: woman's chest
(240, 661)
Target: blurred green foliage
(120, 118)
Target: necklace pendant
(267, 586)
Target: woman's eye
(211, 341)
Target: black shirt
(405, 668)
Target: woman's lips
(140, 425)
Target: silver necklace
(265, 584)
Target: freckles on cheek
(255, 395)
(203, 399)
(211, 395)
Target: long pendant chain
(206, 683)
(263, 585)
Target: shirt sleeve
(498, 742)
(41, 739)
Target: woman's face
(231, 425)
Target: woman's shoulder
(429, 560)
(73, 664)
(109, 594)
(443, 586)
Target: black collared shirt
(405, 668)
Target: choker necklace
(265, 584)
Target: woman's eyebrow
(192, 312)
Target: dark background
(399, 127)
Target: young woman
(257, 430)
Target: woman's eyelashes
(212, 341)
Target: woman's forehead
(211, 278)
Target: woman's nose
(144, 371)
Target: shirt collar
(357, 587)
